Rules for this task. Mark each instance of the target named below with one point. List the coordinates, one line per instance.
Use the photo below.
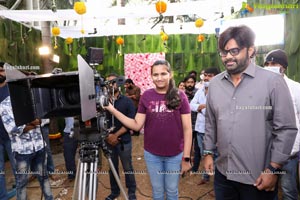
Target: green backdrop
(19, 46)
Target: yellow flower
(164, 37)
(82, 31)
(55, 31)
(69, 40)
(80, 8)
(120, 41)
(199, 23)
(161, 6)
(201, 38)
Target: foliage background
(19, 46)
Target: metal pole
(112, 168)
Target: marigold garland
(69, 40)
(80, 8)
(55, 31)
(120, 41)
(199, 23)
(164, 37)
(201, 38)
(161, 6)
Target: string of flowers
(55, 32)
(120, 42)
(164, 37)
(80, 9)
(69, 41)
(200, 38)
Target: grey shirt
(251, 124)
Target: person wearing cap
(249, 118)
(5, 143)
(277, 61)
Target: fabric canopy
(138, 18)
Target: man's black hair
(188, 77)
(130, 81)
(192, 72)
(212, 70)
(243, 36)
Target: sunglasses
(233, 52)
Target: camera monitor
(95, 56)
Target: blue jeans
(5, 146)
(200, 137)
(50, 163)
(289, 180)
(70, 147)
(32, 163)
(164, 175)
(123, 151)
(231, 190)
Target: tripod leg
(93, 182)
(82, 197)
(112, 168)
(95, 178)
(78, 177)
(90, 187)
(81, 183)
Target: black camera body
(65, 94)
(45, 96)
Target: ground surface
(63, 190)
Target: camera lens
(69, 96)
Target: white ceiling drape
(138, 18)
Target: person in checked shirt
(28, 148)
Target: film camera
(83, 93)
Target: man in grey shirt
(250, 118)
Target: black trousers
(231, 190)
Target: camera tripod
(86, 177)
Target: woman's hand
(185, 167)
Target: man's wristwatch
(276, 171)
(186, 159)
(207, 152)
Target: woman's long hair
(172, 96)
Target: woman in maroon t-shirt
(164, 112)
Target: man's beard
(190, 88)
(241, 65)
(2, 79)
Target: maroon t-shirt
(163, 127)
